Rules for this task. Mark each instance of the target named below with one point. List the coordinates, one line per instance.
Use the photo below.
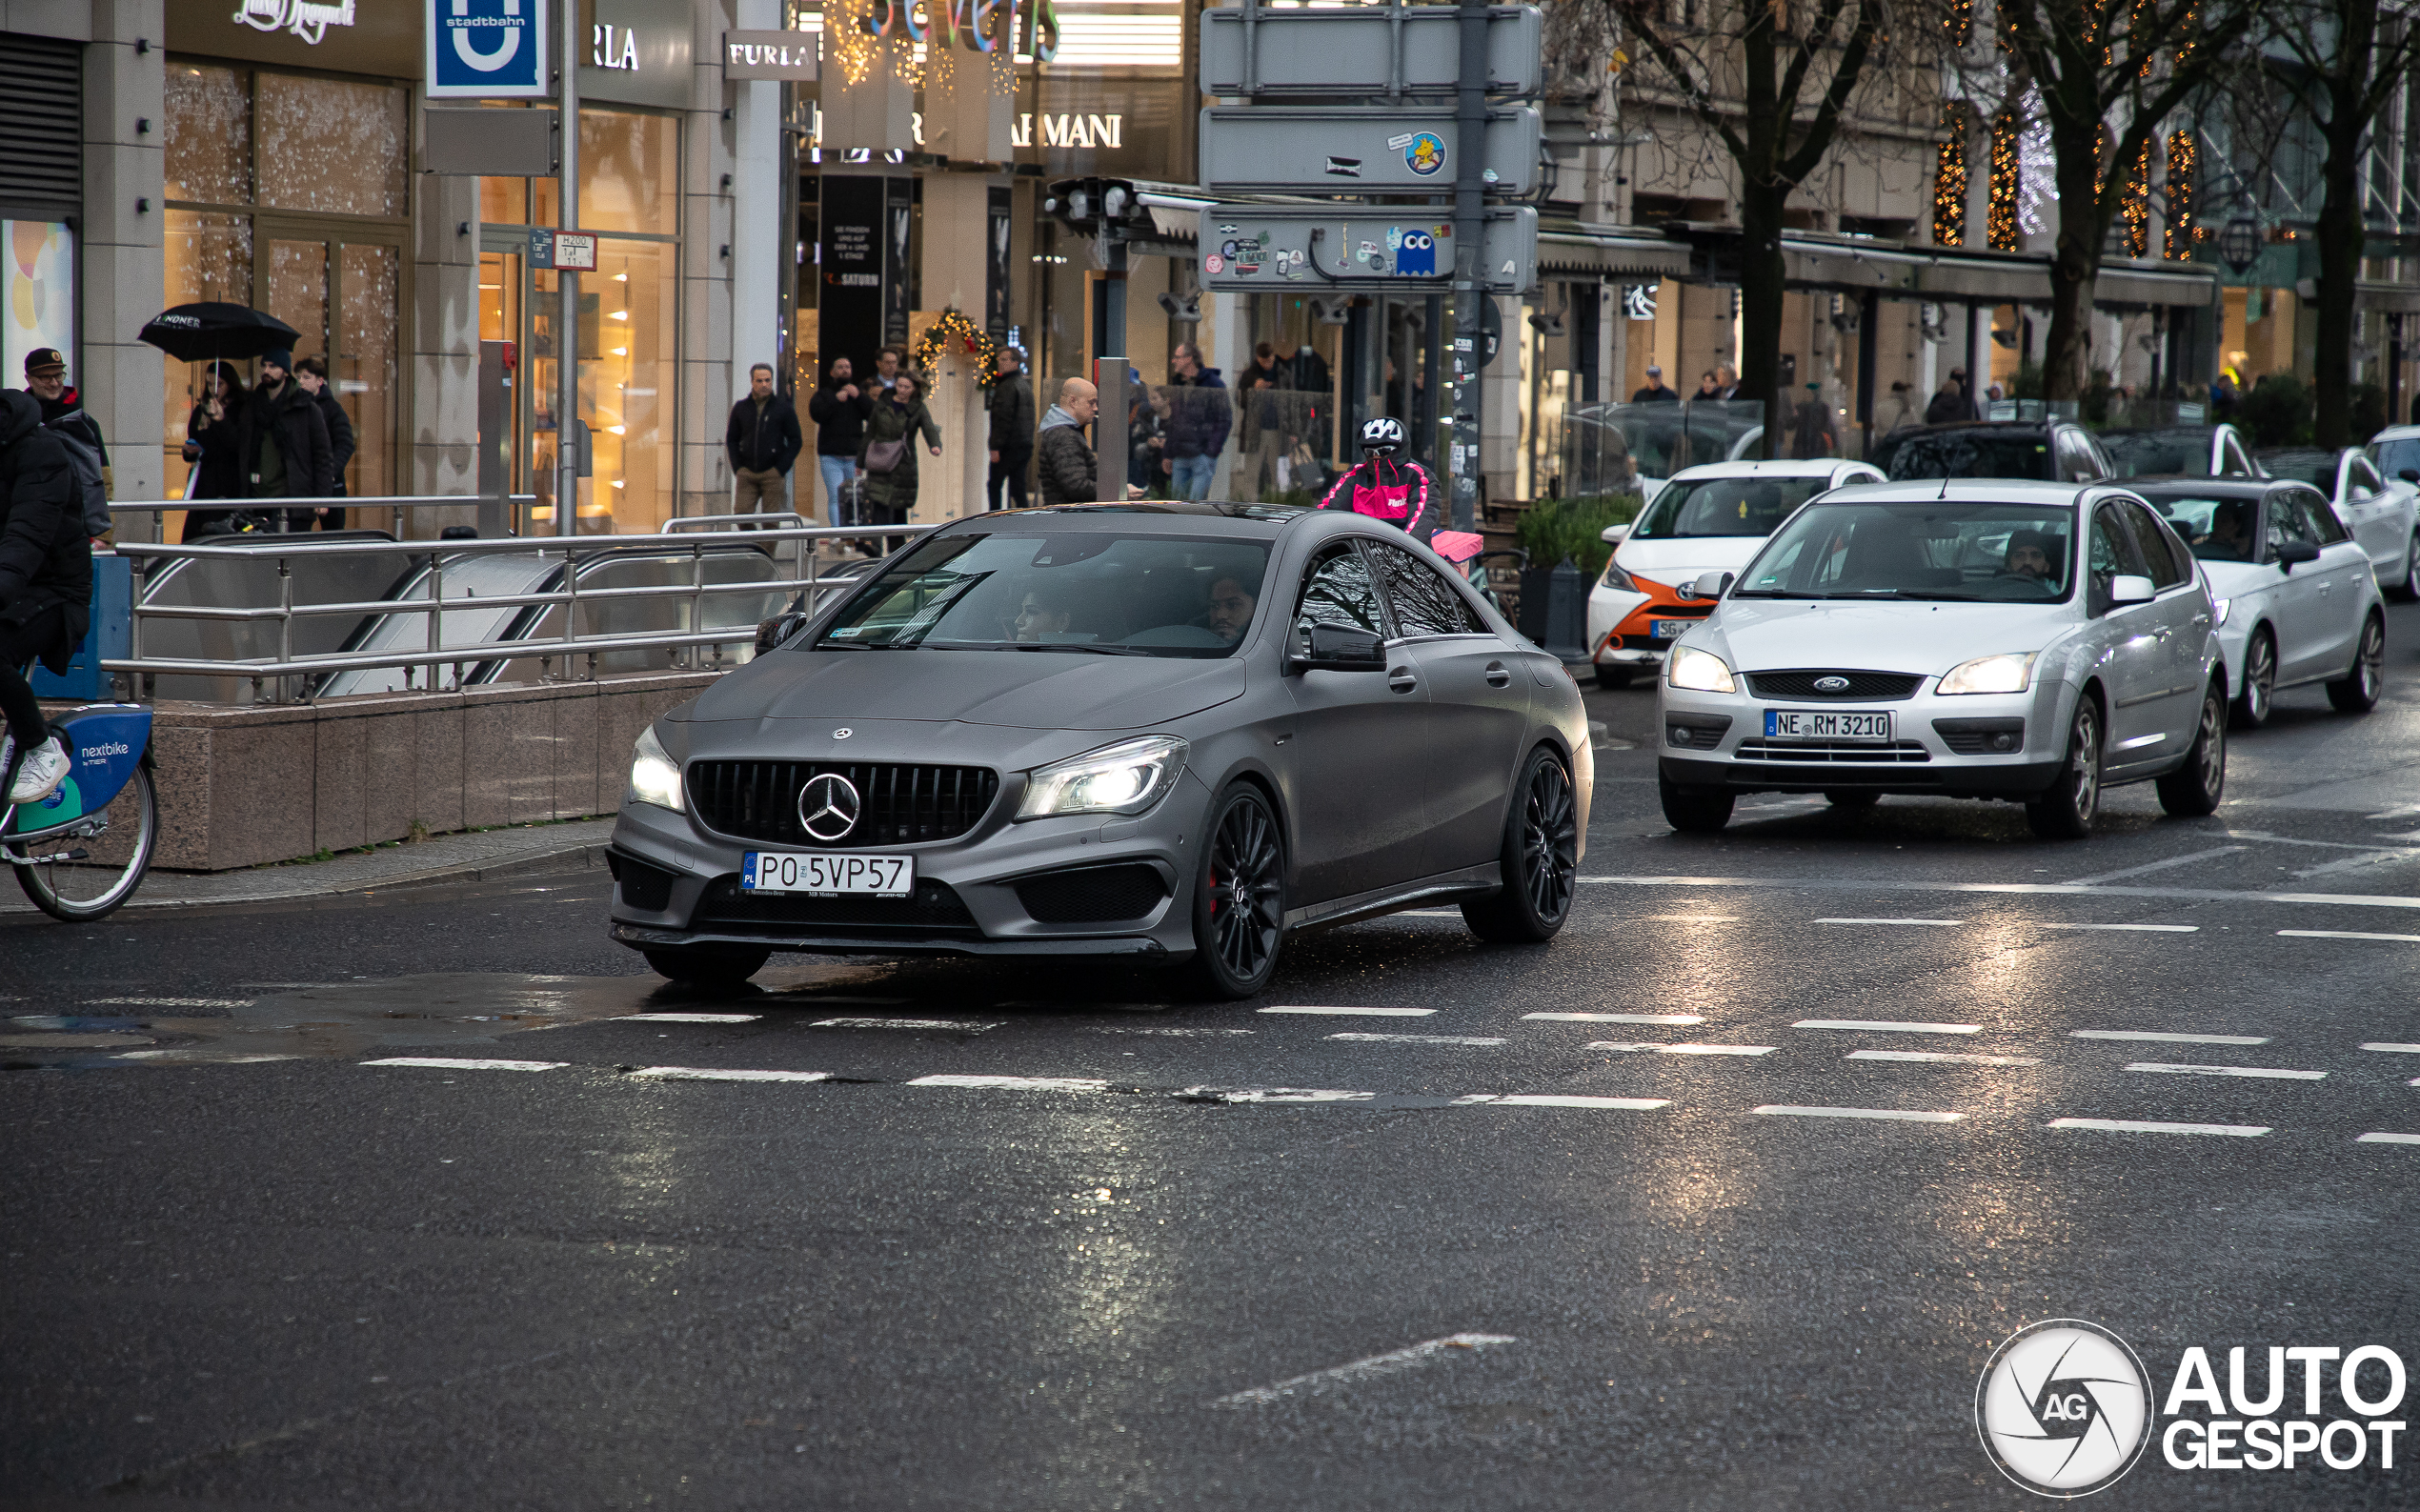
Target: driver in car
(1036, 617)
(1231, 606)
(2230, 531)
(2028, 555)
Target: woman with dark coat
(209, 447)
(897, 416)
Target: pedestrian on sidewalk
(887, 462)
(763, 439)
(46, 590)
(282, 441)
(1009, 408)
(840, 410)
(1198, 420)
(1064, 467)
(210, 449)
(311, 373)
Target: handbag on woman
(882, 456)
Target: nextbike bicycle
(82, 852)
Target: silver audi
(1173, 732)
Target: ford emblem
(1831, 685)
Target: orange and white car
(1707, 519)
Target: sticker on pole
(486, 49)
(1213, 264)
(1425, 154)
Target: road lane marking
(1274, 1095)
(686, 1019)
(1365, 1012)
(1676, 1021)
(2386, 1138)
(713, 1073)
(1386, 1364)
(1881, 884)
(2272, 1073)
(1901, 1115)
(1683, 1049)
(2144, 929)
(449, 1063)
(1428, 913)
(1173, 1034)
(2148, 867)
(1422, 1040)
(1558, 1099)
(1693, 918)
(1940, 923)
(901, 1023)
(1017, 1083)
(2240, 1130)
(1944, 1058)
(166, 1002)
(2163, 1037)
(2346, 934)
(2393, 1049)
(1889, 1025)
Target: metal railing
(496, 511)
(806, 582)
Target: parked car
(2035, 642)
(2044, 450)
(1171, 733)
(2180, 450)
(2383, 514)
(1707, 519)
(2295, 596)
(2396, 451)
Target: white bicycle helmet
(1383, 436)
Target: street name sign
(1360, 249)
(1340, 51)
(1372, 150)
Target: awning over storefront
(1608, 252)
(1963, 275)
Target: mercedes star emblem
(828, 807)
(1831, 685)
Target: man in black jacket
(311, 373)
(282, 442)
(840, 410)
(1010, 405)
(46, 378)
(763, 439)
(46, 589)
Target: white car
(2035, 642)
(2297, 599)
(2383, 514)
(2180, 450)
(1709, 519)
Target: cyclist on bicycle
(1382, 487)
(46, 590)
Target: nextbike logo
(2065, 1408)
(110, 748)
(486, 49)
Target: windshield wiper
(1919, 594)
(1070, 645)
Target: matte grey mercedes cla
(1169, 732)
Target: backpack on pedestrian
(84, 461)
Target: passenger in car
(1231, 606)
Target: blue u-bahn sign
(486, 49)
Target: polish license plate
(827, 876)
(1669, 629)
(1823, 724)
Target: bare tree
(2107, 73)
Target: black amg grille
(934, 908)
(645, 887)
(1847, 753)
(1094, 895)
(903, 804)
(1864, 687)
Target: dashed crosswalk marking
(1935, 923)
(2269, 1072)
(2142, 929)
(2240, 1130)
(2386, 1138)
(1422, 1040)
(167, 1002)
(1888, 1025)
(957, 1025)
(453, 1063)
(1674, 1021)
(1898, 1115)
(1017, 1084)
(2392, 1049)
(1358, 1013)
(716, 1073)
(2162, 1036)
(1683, 1049)
(2347, 934)
(1386, 1364)
(688, 1018)
(1944, 1058)
(1558, 1099)
(1274, 1095)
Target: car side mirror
(1709, 585)
(2129, 588)
(2409, 474)
(1343, 648)
(2292, 553)
(1614, 534)
(772, 633)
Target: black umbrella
(212, 328)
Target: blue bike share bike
(82, 852)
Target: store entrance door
(344, 299)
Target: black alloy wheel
(1539, 863)
(1238, 899)
(2193, 790)
(2258, 700)
(710, 966)
(2357, 691)
(2066, 810)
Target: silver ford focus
(2036, 642)
(1173, 733)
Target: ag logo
(2064, 1408)
(828, 807)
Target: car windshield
(2219, 529)
(2394, 456)
(2318, 468)
(1929, 549)
(2183, 453)
(1077, 593)
(1725, 506)
(1964, 453)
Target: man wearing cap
(46, 378)
(282, 442)
(1655, 393)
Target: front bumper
(1622, 625)
(677, 884)
(1943, 746)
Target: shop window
(339, 148)
(627, 354)
(630, 175)
(208, 256)
(367, 371)
(209, 134)
(504, 201)
(37, 302)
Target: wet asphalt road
(249, 1268)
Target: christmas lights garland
(953, 325)
(1949, 179)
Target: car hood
(1678, 562)
(1018, 690)
(1764, 634)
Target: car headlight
(1688, 667)
(654, 777)
(1127, 777)
(2009, 672)
(1616, 578)
(2218, 609)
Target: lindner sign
(488, 49)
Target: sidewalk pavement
(479, 856)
